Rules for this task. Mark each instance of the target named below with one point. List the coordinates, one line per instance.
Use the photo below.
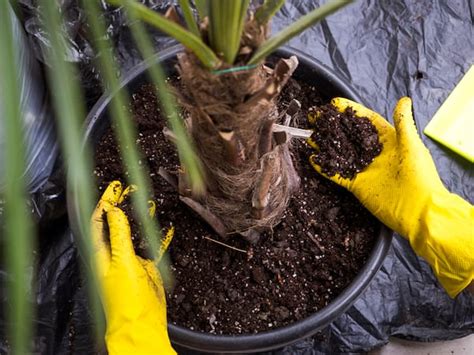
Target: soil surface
(347, 144)
(312, 255)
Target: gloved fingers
(165, 243)
(384, 128)
(100, 243)
(407, 135)
(109, 198)
(120, 235)
(151, 267)
(346, 183)
(313, 115)
(342, 104)
(151, 208)
(154, 278)
(312, 143)
(113, 192)
(128, 190)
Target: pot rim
(278, 337)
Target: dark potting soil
(318, 248)
(346, 144)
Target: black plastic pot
(311, 71)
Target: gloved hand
(401, 187)
(131, 288)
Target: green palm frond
(226, 22)
(69, 107)
(186, 150)
(296, 28)
(202, 7)
(267, 10)
(18, 228)
(189, 17)
(185, 37)
(124, 129)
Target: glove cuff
(445, 239)
(138, 337)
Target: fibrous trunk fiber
(249, 170)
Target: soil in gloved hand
(346, 143)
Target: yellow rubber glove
(401, 187)
(132, 292)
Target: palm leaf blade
(296, 28)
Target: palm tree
(230, 97)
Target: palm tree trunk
(249, 172)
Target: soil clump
(347, 144)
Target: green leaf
(189, 17)
(185, 37)
(123, 126)
(69, 106)
(18, 228)
(267, 10)
(226, 22)
(296, 28)
(186, 150)
(202, 7)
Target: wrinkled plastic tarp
(38, 125)
(386, 49)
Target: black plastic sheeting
(386, 49)
(41, 147)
